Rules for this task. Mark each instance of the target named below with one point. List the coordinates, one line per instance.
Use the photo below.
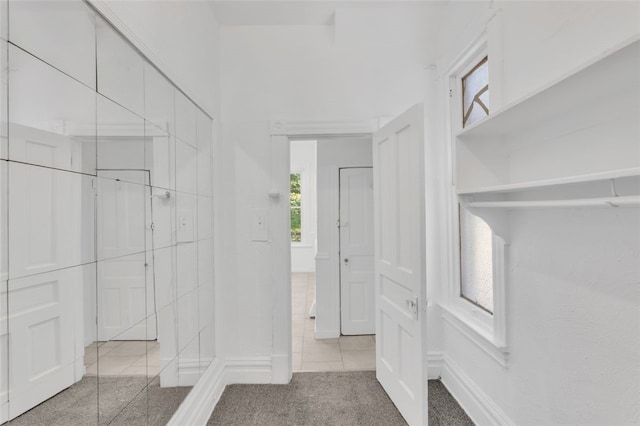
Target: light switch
(259, 225)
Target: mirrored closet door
(106, 227)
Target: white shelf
(625, 201)
(582, 128)
(592, 177)
(615, 72)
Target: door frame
(340, 235)
(281, 133)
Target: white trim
(475, 402)
(323, 128)
(435, 362)
(200, 402)
(483, 339)
(326, 334)
(248, 370)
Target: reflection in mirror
(4, 353)
(40, 27)
(120, 69)
(105, 182)
(4, 71)
(52, 116)
(158, 99)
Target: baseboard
(200, 402)
(328, 334)
(435, 360)
(280, 369)
(248, 370)
(475, 402)
(189, 372)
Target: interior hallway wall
(573, 299)
(370, 64)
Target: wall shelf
(624, 201)
(583, 128)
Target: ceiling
(290, 12)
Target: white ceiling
(291, 12)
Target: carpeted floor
(123, 401)
(336, 398)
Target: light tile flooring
(310, 354)
(122, 358)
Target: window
(476, 260)
(475, 93)
(295, 201)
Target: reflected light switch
(259, 225)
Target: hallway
(346, 353)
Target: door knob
(346, 260)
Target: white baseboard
(200, 402)
(280, 369)
(435, 360)
(327, 334)
(189, 372)
(248, 370)
(475, 402)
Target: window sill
(479, 336)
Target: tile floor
(310, 354)
(123, 358)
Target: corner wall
(573, 299)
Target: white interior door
(125, 295)
(357, 300)
(398, 164)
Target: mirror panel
(40, 27)
(160, 157)
(186, 124)
(112, 226)
(47, 219)
(120, 69)
(45, 130)
(4, 353)
(4, 105)
(158, 99)
(121, 143)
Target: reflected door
(125, 295)
(357, 300)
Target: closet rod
(622, 201)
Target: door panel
(41, 332)
(398, 158)
(356, 251)
(125, 293)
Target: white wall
(303, 161)
(573, 299)
(333, 154)
(371, 64)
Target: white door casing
(357, 300)
(398, 164)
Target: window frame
(488, 331)
(291, 208)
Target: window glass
(476, 260)
(475, 93)
(295, 199)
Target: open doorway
(320, 342)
